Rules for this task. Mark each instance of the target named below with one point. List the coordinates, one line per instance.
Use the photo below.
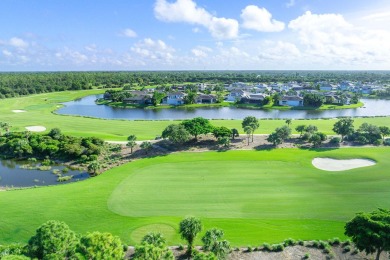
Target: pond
(13, 174)
(86, 107)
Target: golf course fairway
(254, 196)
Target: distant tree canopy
(26, 83)
(54, 145)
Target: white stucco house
(174, 98)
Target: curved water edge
(13, 175)
(87, 107)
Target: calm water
(87, 107)
(11, 175)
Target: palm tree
(131, 142)
(288, 122)
(189, 228)
(94, 167)
(248, 130)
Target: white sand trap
(36, 128)
(18, 111)
(328, 164)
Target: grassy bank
(39, 111)
(255, 196)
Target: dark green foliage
(289, 242)
(343, 127)
(153, 247)
(155, 239)
(277, 248)
(235, 133)
(43, 146)
(370, 231)
(53, 240)
(267, 247)
(221, 131)
(98, 245)
(313, 100)
(317, 139)
(335, 140)
(176, 134)
(131, 142)
(346, 249)
(306, 256)
(225, 141)
(147, 146)
(386, 141)
(384, 131)
(250, 122)
(279, 135)
(189, 229)
(212, 241)
(334, 242)
(197, 126)
(157, 97)
(15, 257)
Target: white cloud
(260, 19)
(187, 11)
(201, 51)
(7, 53)
(330, 39)
(18, 43)
(129, 33)
(153, 50)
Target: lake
(86, 107)
(12, 175)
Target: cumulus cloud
(201, 51)
(129, 33)
(153, 50)
(330, 38)
(18, 43)
(260, 19)
(7, 53)
(187, 11)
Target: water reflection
(87, 107)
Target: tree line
(26, 83)
(369, 232)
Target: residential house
(325, 86)
(174, 98)
(139, 97)
(236, 95)
(206, 99)
(293, 101)
(253, 98)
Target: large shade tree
(189, 229)
(343, 127)
(370, 231)
(197, 126)
(176, 134)
(53, 240)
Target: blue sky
(55, 35)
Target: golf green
(255, 196)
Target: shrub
(315, 244)
(277, 247)
(330, 256)
(267, 247)
(65, 170)
(378, 142)
(249, 249)
(386, 141)
(289, 242)
(327, 250)
(335, 241)
(335, 140)
(322, 244)
(306, 256)
(301, 242)
(346, 249)
(180, 247)
(346, 243)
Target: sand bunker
(36, 128)
(328, 164)
(18, 111)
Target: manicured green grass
(39, 112)
(255, 196)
